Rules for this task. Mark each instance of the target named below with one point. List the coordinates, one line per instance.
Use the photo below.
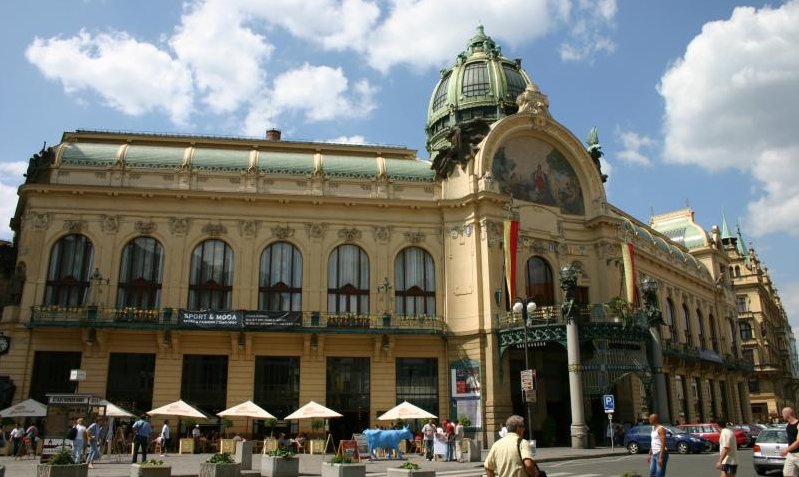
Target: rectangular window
(681, 398)
(754, 385)
(51, 373)
(748, 355)
(348, 385)
(130, 381)
(741, 303)
(417, 382)
(204, 382)
(277, 384)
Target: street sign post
(529, 378)
(609, 402)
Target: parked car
(751, 431)
(639, 439)
(712, 432)
(766, 452)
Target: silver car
(766, 452)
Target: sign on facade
(77, 375)
(610, 403)
(529, 379)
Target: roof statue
(38, 164)
(595, 151)
(533, 101)
(464, 139)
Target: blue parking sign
(610, 402)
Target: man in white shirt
(429, 433)
(164, 437)
(728, 451)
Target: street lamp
(526, 306)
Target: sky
(697, 103)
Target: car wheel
(633, 448)
(761, 471)
(682, 447)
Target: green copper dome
(481, 86)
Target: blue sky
(696, 102)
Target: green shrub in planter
(280, 463)
(220, 465)
(151, 468)
(409, 469)
(62, 465)
(341, 465)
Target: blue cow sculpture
(388, 440)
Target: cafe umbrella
(178, 409)
(314, 410)
(247, 409)
(26, 408)
(405, 411)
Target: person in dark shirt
(791, 453)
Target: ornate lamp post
(526, 306)
(649, 287)
(568, 283)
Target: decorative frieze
(179, 225)
(74, 226)
(282, 233)
(414, 238)
(349, 234)
(214, 230)
(40, 221)
(382, 234)
(109, 223)
(316, 231)
(145, 228)
(249, 228)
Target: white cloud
(10, 179)
(732, 101)
(356, 139)
(131, 76)
(224, 54)
(319, 92)
(635, 146)
(590, 29)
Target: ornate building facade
(766, 336)
(224, 269)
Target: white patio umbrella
(313, 410)
(26, 408)
(112, 410)
(246, 409)
(405, 410)
(178, 408)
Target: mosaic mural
(533, 171)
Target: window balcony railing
(235, 320)
(552, 315)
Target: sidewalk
(189, 465)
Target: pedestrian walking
(17, 435)
(449, 432)
(196, 435)
(141, 437)
(728, 451)
(791, 453)
(510, 456)
(165, 437)
(31, 436)
(658, 456)
(429, 432)
(79, 442)
(459, 434)
(93, 439)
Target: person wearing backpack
(511, 456)
(79, 441)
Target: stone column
(654, 317)
(568, 283)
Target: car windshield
(772, 437)
(674, 430)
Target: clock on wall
(5, 343)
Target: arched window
(670, 317)
(211, 276)
(280, 283)
(686, 316)
(737, 271)
(746, 330)
(71, 260)
(540, 285)
(711, 322)
(141, 273)
(348, 280)
(415, 282)
(700, 328)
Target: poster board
(349, 448)
(51, 445)
(363, 444)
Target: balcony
(235, 320)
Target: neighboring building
(357, 276)
(766, 335)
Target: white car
(766, 452)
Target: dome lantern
(480, 88)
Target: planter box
(343, 470)
(393, 472)
(244, 454)
(279, 466)
(208, 469)
(138, 470)
(74, 470)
